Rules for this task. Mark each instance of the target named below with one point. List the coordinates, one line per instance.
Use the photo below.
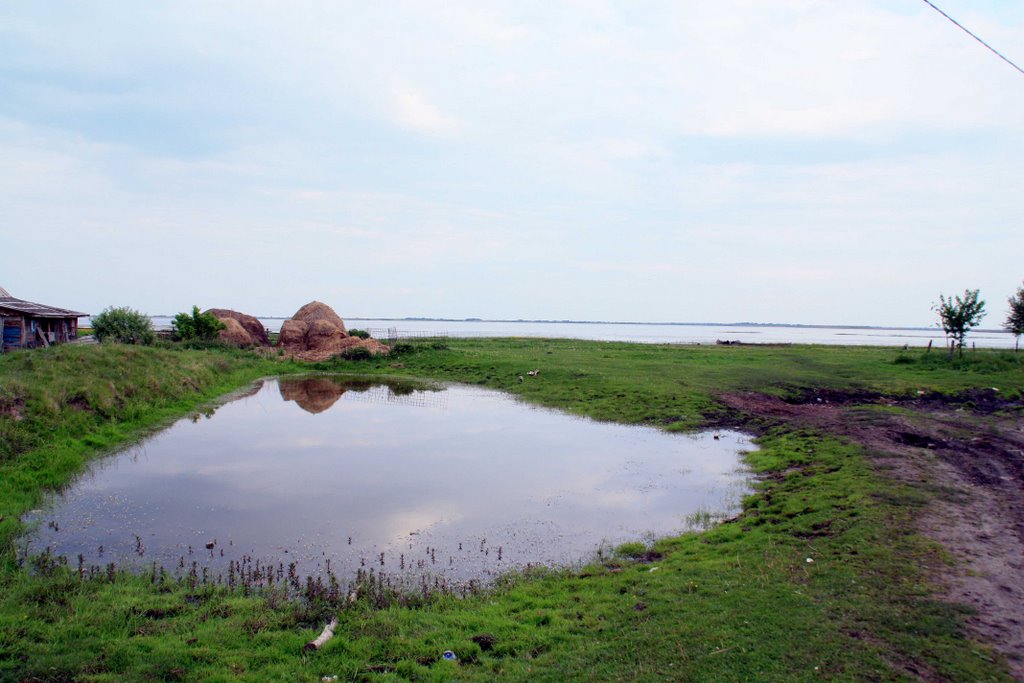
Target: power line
(964, 29)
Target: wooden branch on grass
(324, 636)
(328, 631)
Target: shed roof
(9, 303)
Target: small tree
(123, 325)
(198, 326)
(958, 315)
(1015, 320)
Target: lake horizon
(656, 332)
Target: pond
(326, 474)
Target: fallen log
(324, 636)
(328, 631)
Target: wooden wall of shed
(31, 329)
(16, 322)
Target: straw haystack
(316, 333)
(240, 329)
(234, 334)
(315, 311)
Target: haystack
(315, 310)
(251, 325)
(317, 333)
(234, 334)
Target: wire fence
(393, 334)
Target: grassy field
(768, 596)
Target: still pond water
(410, 480)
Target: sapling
(958, 315)
(1015, 319)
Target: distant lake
(662, 333)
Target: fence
(393, 334)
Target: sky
(793, 161)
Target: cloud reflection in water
(396, 469)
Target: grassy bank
(740, 602)
(61, 406)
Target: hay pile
(240, 329)
(316, 333)
(234, 334)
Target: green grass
(61, 406)
(738, 602)
(676, 386)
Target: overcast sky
(811, 161)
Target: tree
(198, 326)
(1015, 320)
(958, 315)
(123, 325)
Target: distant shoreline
(638, 322)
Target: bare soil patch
(970, 447)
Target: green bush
(196, 327)
(362, 334)
(398, 348)
(124, 325)
(357, 353)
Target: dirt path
(974, 454)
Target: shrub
(398, 348)
(362, 334)
(196, 327)
(356, 353)
(123, 325)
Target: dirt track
(971, 445)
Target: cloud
(587, 159)
(413, 110)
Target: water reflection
(314, 395)
(317, 394)
(461, 482)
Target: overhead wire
(972, 35)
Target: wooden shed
(26, 325)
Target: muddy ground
(969, 447)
